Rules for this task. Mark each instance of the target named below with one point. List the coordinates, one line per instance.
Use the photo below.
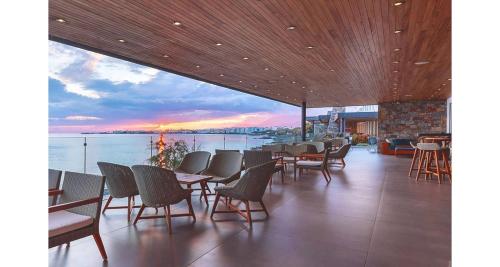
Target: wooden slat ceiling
(340, 52)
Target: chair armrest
(73, 204)
(55, 192)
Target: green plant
(169, 155)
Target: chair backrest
(256, 157)
(219, 151)
(295, 150)
(119, 179)
(225, 164)
(194, 162)
(253, 183)
(276, 148)
(314, 147)
(79, 186)
(342, 152)
(54, 182)
(157, 186)
(338, 142)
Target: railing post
(246, 141)
(224, 139)
(194, 142)
(303, 121)
(85, 155)
(151, 150)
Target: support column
(304, 121)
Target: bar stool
(430, 152)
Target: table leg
(203, 192)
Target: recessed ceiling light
(422, 62)
(245, 58)
(310, 47)
(449, 79)
(60, 20)
(282, 76)
(279, 94)
(293, 82)
(443, 84)
(311, 91)
(121, 40)
(240, 81)
(176, 23)
(221, 75)
(397, 49)
(198, 66)
(395, 62)
(303, 87)
(408, 95)
(291, 27)
(439, 89)
(218, 44)
(398, 3)
(398, 31)
(395, 84)
(332, 70)
(255, 86)
(165, 56)
(266, 68)
(395, 71)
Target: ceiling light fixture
(222, 75)
(282, 76)
(294, 82)
(218, 44)
(240, 81)
(398, 31)
(443, 84)
(291, 27)
(449, 79)
(121, 40)
(176, 23)
(395, 62)
(165, 56)
(266, 68)
(395, 71)
(332, 70)
(398, 3)
(397, 49)
(310, 47)
(422, 62)
(245, 58)
(60, 20)
(198, 66)
(303, 87)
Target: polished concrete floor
(371, 214)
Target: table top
(436, 138)
(186, 178)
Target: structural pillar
(304, 121)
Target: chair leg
(413, 162)
(324, 175)
(264, 207)
(271, 182)
(428, 161)
(343, 162)
(129, 208)
(100, 246)
(437, 166)
(447, 165)
(168, 217)
(191, 211)
(217, 196)
(420, 163)
(107, 204)
(329, 175)
(295, 172)
(249, 215)
(282, 176)
(139, 214)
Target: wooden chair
(250, 187)
(430, 152)
(121, 184)
(339, 154)
(416, 154)
(158, 188)
(316, 165)
(54, 182)
(77, 212)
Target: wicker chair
(194, 162)
(254, 158)
(315, 165)
(78, 210)
(121, 183)
(339, 154)
(54, 182)
(250, 187)
(224, 167)
(276, 149)
(292, 153)
(159, 187)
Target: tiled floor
(371, 214)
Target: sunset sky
(92, 92)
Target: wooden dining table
(190, 179)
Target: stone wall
(408, 119)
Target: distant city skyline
(90, 92)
